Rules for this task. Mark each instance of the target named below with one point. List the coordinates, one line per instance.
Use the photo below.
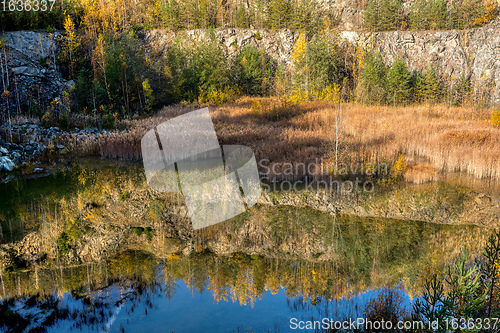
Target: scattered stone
(6, 164)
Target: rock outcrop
(29, 68)
(277, 44)
(32, 70)
(472, 53)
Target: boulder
(27, 71)
(6, 164)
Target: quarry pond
(92, 248)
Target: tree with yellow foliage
(300, 66)
(148, 95)
(70, 43)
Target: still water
(308, 267)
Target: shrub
(43, 62)
(387, 306)
(63, 121)
(298, 97)
(138, 231)
(331, 93)
(462, 90)
(257, 36)
(495, 117)
(149, 233)
(125, 195)
(109, 119)
(62, 242)
(398, 168)
(148, 95)
(219, 96)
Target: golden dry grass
(447, 138)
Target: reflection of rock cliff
(111, 210)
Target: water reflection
(98, 251)
(137, 291)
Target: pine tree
(371, 15)
(278, 14)
(323, 62)
(253, 69)
(429, 86)
(428, 15)
(241, 17)
(383, 15)
(398, 83)
(372, 87)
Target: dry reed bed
(448, 138)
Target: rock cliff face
(29, 59)
(29, 68)
(473, 53)
(278, 44)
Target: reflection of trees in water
(387, 305)
(346, 255)
(100, 290)
(134, 278)
(93, 304)
(373, 253)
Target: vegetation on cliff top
(310, 15)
